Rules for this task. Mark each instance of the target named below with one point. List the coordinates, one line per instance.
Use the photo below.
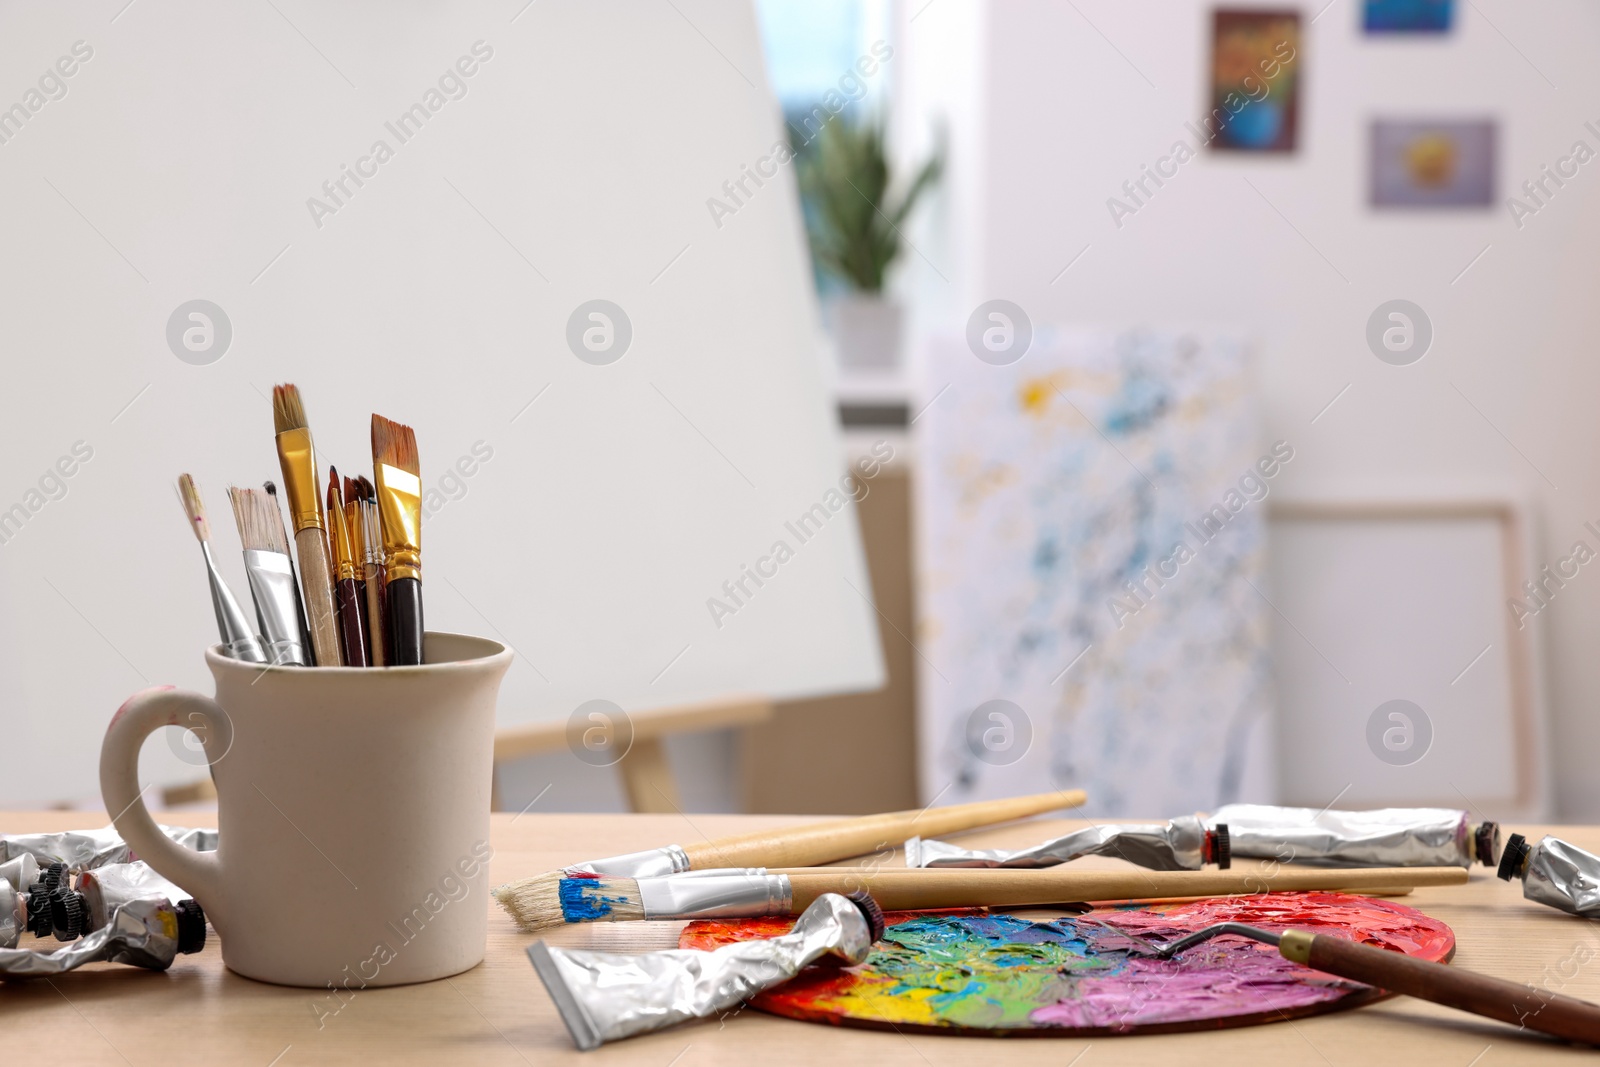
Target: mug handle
(197, 873)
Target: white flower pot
(866, 331)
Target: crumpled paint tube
(605, 996)
(143, 933)
(83, 850)
(20, 872)
(1387, 837)
(1556, 873)
(13, 915)
(1184, 844)
(107, 888)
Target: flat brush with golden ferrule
(298, 460)
(398, 474)
(351, 633)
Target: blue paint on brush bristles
(582, 901)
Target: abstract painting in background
(1053, 496)
(1254, 103)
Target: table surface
(498, 1013)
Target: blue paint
(580, 903)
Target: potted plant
(854, 221)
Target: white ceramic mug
(353, 810)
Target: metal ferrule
(710, 895)
(85, 850)
(299, 463)
(273, 589)
(143, 933)
(344, 566)
(652, 864)
(1388, 837)
(1175, 846)
(1563, 876)
(605, 996)
(107, 888)
(238, 639)
(400, 505)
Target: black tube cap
(1512, 859)
(1486, 843)
(1222, 846)
(69, 913)
(869, 911)
(191, 927)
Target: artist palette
(973, 971)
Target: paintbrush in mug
(399, 487)
(599, 898)
(298, 460)
(238, 640)
(347, 598)
(266, 565)
(372, 570)
(532, 900)
(356, 530)
(294, 572)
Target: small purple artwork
(1005, 975)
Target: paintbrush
(599, 898)
(533, 899)
(297, 457)
(372, 569)
(355, 525)
(1495, 998)
(399, 489)
(266, 564)
(238, 641)
(299, 597)
(347, 598)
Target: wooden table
(498, 1013)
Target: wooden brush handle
(405, 622)
(1495, 998)
(837, 839)
(317, 580)
(377, 639)
(351, 626)
(909, 890)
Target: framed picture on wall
(1432, 163)
(1253, 100)
(1406, 16)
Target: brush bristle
(277, 515)
(193, 507)
(260, 529)
(394, 445)
(287, 411)
(352, 489)
(559, 897)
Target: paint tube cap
(869, 911)
(68, 913)
(191, 927)
(1486, 843)
(1513, 859)
(1221, 846)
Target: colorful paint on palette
(1003, 974)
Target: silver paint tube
(272, 586)
(605, 996)
(105, 889)
(232, 625)
(1387, 837)
(13, 915)
(1556, 873)
(1184, 844)
(143, 933)
(655, 863)
(21, 872)
(83, 850)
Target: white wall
(1075, 98)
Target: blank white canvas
(1380, 609)
(577, 165)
